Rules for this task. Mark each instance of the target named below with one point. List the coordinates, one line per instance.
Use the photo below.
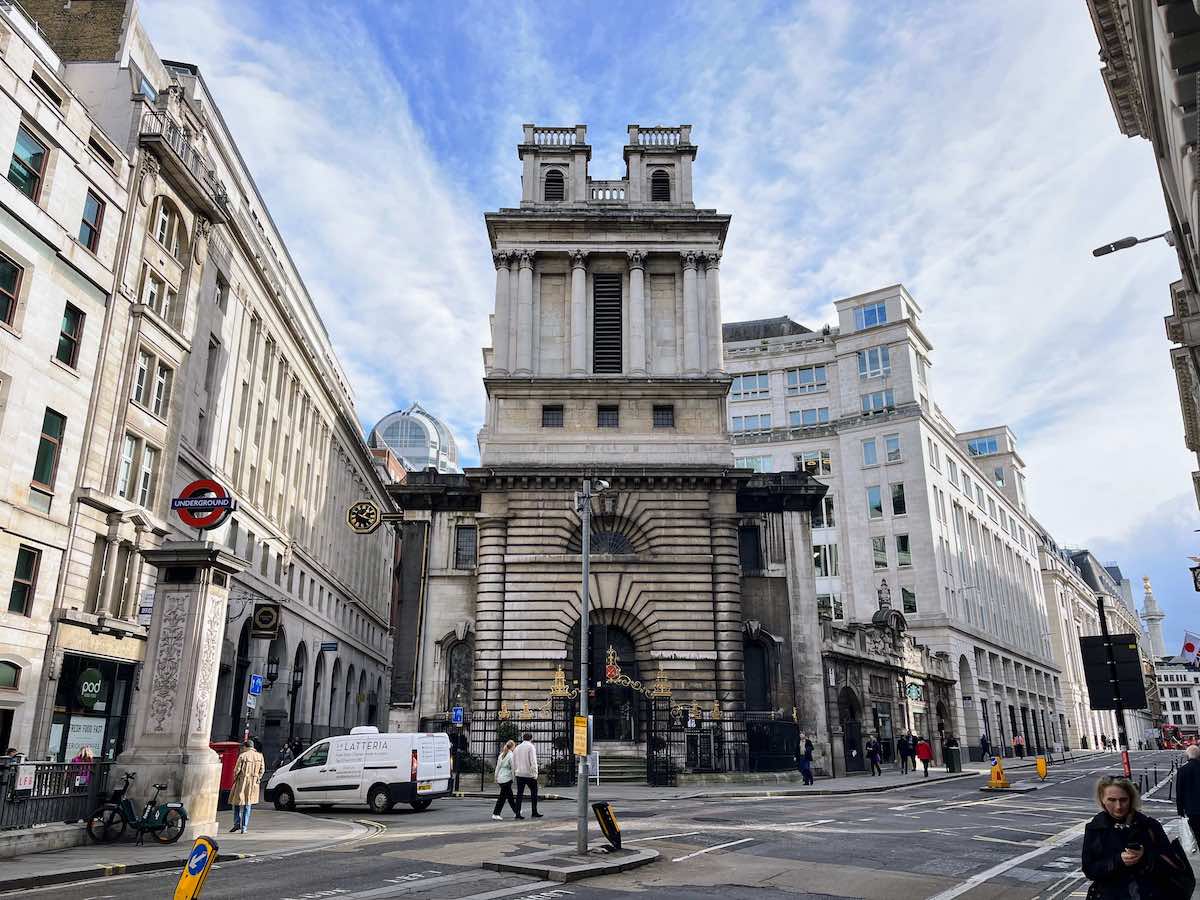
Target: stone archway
(972, 703)
(850, 717)
(615, 709)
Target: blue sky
(965, 149)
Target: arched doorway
(850, 715)
(335, 684)
(615, 709)
(296, 702)
(241, 682)
(317, 696)
(349, 712)
(757, 674)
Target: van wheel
(420, 805)
(379, 799)
(285, 799)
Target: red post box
(228, 751)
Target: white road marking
(914, 803)
(662, 837)
(988, 874)
(993, 840)
(711, 849)
(808, 824)
(1024, 830)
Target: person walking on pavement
(525, 767)
(924, 754)
(985, 746)
(1019, 746)
(504, 781)
(873, 754)
(286, 755)
(1126, 854)
(1187, 789)
(804, 754)
(902, 752)
(912, 752)
(247, 773)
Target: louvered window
(555, 189)
(606, 323)
(660, 186)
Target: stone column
(489, 604)
(712, 309)
(108, 579)
(133, 580)
(691, 315)
(804, 637)
(637, 312)
(524, 364)
(177, 685)
(579, 363)
(727, 605)
(702, 314)
(500, 346)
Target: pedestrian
(1103, 741)
(985, 747)
(1019, 746)
(504, 781)
(912, 753)
(873, 755)
(1187, 789)
(525, 767)
(902, 752)
(286, 755)
(82, 768)
(924, 754)
(247, 773)
(804, 753)
(1126, 854)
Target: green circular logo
(91, 687)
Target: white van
(367, 768)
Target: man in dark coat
(902, 748)
(1187, 789)
(804, 756)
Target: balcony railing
(660, 135)
(607, 191)
(555, 136)
(160, 129)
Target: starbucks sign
(90, 687)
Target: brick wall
(89, 30)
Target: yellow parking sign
(581, 736)
(195, 870)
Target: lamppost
(1127, 242)
(583, 505)
(297, 684)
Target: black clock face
(363, 516)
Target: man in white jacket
(525, 768)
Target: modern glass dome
(420, 439)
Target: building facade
(216, 366)
(1179, 686)
(935, 517)
(418, 438)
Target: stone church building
(606, 363)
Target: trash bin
(228, 752)
(953, 759)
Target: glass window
(830, 606)
(992, 508)
(966, 485)
(45, 467)
(822, 516)
(317, 756)
(93, 217)
(953, 472)
(125, 474)
(874, 502)
(825, 560)
(891, 444)
(28, 164)
(20, 596)
(870, 456)
(899, 507)
(757, 463)
(756, 384)
(879, 552)
(464, 547)
(869, 315)
(141, 378)
(752, 423)
(69, 336)
(903, 553)
(998, 475)
(909, 600)
(608, 417)
(806, 380)
(10, 281)
(873, 362)
(935, 457)
(552, 416)
(877, 401)
(814, 462)
(664, 415)
(982, 446)
(808, 418)
(979, 496)
(10, 675)
(147, 477)
(162, 389)
(147, 89)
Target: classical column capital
(150, 165)
(501, 258)
(691, 258)
(524, 258)
(578, 259)
(637, 258)
(712, 260)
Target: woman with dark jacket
(1122, 847)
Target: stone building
(606, 363)
(938, 515)
(64, 207)
(216, 366)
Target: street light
(272, 670)
(583, 505)
(1127, 242)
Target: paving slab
(564, 864)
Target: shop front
(91, 707)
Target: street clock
(364, 517)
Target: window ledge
(155, 416)
(70, 370)
(5, 326)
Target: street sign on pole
(456, 715)
(251, 701)
(329, 646)
(256, 682)
(581, 735)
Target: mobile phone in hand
(1135, 846)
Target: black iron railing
(42, 793)
(176, 137)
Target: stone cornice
(606, 387)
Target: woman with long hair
(1123, 848)
(504, 780)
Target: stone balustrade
(610, 191)
(660, 135)
(555, 136)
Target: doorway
(614, 708)
(850, 715)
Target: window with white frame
(983, 446)
(747, 387)
(899, 505)
(869, 315)
(891, 447)
(162, 388)
(874, 362)
(903, 551)
(870, 454)
(806, 380)
(874, 502)
(953, 466)
(137, 474)
(825, 560)
(908, 600)
(822, 516)
(757, 463)
(935, 458)
(808, 418)
(829, 606)
(979, 498)
(814, 462)
(752, 423)
(878, 401)
(992, 508)
(879, 552)
(998, 475)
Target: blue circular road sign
(197, 860)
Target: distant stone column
(500, 348)
(691, 315)
(579, 364)
(702, 311)
(524, 313)
(489, 604)
(727, 592)
(712, 309)
(637, 312)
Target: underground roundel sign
(203, 504)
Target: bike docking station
(998, 783)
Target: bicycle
(165, 821)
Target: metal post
(1118, 707)
(584, 502)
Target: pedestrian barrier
(43, 793)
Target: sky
(965, 149)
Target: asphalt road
(933, 840)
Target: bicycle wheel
(107, 824)
(172, 828)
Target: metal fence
(550, 725)
(43, 793)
